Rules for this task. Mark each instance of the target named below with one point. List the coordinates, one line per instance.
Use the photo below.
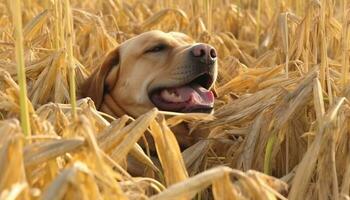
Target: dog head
(155, 69)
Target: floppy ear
(95, 86)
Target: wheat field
(281, 127)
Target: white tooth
(171, 96)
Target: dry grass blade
(346, 182)
(175, 120)
(194, 155)
(208, 9)
(345, 47)
(11, 92)
(17, 21)
(170, 158)
(71, 64)
(283, 22)
(12, 168)
(73, 182)
(137, 129)
(14, 192)
(140, 155)
(295, 99)
(306, 166)
(125, 136)
(248, 80)
(318, 101)
(37, 153)
(110, 138)
(272, 185)
(34, 26)
(223, 188)
(246, 159)
(289, 107)
(161, 15)
(193, 185)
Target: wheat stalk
(71, 64)
(17, 21)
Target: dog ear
(96, 85)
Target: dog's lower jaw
(111, 107)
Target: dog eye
(157, 48)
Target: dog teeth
(171, 96)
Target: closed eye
(157, 48)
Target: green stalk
(24, 111)
(71, 66)
(268, 152)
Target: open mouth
(194, 96)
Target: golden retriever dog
(155, 69)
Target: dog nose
(205, 53)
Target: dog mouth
(194, 96)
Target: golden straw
(17, 21)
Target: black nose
(205, 53)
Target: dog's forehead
(154, 37)
(181, 37)
(160, 35)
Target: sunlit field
(281, 126)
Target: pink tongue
(194, 95)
